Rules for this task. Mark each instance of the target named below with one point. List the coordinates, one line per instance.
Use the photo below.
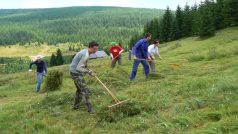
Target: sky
(159, 4)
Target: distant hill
(73, 24)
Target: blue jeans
(39, 77)
(135, 67)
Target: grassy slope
(198, 97)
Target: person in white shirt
(153, 51)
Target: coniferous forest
(73, 24)
(201, 20)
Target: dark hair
(92, 44)
(156, 41)
(147, 35)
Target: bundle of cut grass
(54, 81)
(116, 114)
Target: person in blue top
(140, 52)
(40, 71)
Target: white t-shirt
(153, 50)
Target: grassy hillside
(32, 50)
(200, 96)
(73, 24)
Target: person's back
(140, 49)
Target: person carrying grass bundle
(153, 51)
(40, 71)
(115, 53)
(78, 69)
(140, 52)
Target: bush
(54, 81)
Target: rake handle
(110, 93)
(156, 61)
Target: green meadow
(199, 96)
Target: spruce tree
(195, 20)
(187, 21)
(59, 58)
(219, 14)
(166, 26)
(231, 12)
(179, 22)
(207, 27)
(53, 60)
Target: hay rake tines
(117, 101)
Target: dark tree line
(198, 20)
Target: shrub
(54, 81)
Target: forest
(73, 24)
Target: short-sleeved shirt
(115, 50)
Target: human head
(156, 42)
(148, 36)
(93, 47)
(39, 58)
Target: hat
(113, 43)
(38, 57)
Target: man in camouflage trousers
(78, 69)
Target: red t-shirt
(115, 51)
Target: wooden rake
(117, 101)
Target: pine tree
(187, 21)
(179, 22)
(59, 58)
(231, 11)
(219, 14)
(156, 29)
(166, 26)
(195, 20)
(207, 27)
(53, 60)
(175, 34)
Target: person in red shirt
(115, 53)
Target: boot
(90, 109)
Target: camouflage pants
(82, 91)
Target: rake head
(118, 104)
